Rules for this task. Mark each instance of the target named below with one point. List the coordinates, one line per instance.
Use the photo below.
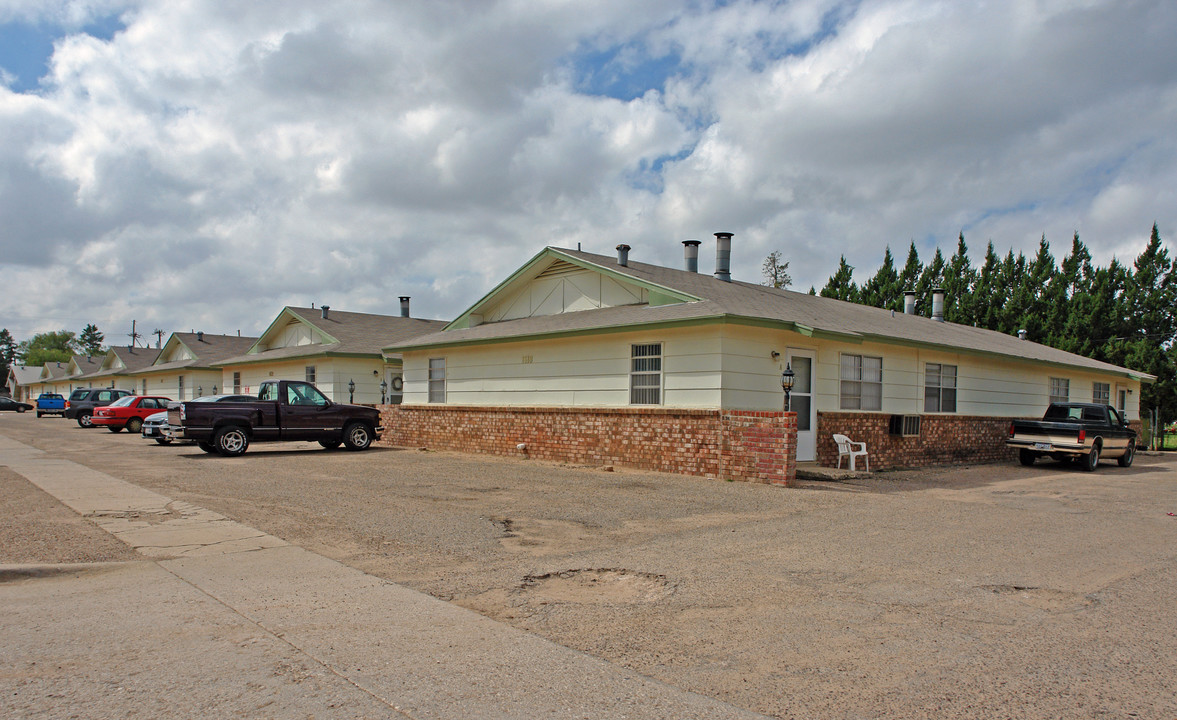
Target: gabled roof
(54, 370)
(340, 334)
(206, 350)
(25, 374)
(84, 366)
(124, 360)
(744, 303)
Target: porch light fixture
(351, 391)
(383, 391)
(787, 378)
(199, 391)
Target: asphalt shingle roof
(209, 350)
(736, 300)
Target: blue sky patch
(624, 72)
(25, 48)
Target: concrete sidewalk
(220, 620)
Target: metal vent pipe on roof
(909, 302)
(723, 256)
(938, 304)
(325, 309)
(404, 305)
(623, 255)
(1022, 334)
(200, 336)
(691, 254)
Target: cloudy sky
(200, 164)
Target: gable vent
(559, 269)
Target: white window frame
(645, 373)
(236, 383)
(312, 374)
(179, 387)
(437, 380)
(1104, 397)
(939, 386)
(1060, 390)
(853, 371)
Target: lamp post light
(787, 378)
(214, 389)
(383, 391)
(351, 391)
(199, 391)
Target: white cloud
(226, 158)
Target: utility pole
(158, 338)
(134, 335)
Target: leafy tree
(57, 346)
(90, 340)
(841, 286)
(775, 272)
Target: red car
(128, 412)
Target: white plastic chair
(846, 448)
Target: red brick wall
(735, 445)
(943, 440)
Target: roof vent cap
(623, 255)
(325, 309)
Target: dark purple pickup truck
(285, 410)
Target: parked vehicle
(7, 403)
(50, 404)
(284, 410)
(127, 413)
(82, 402)
(154, 425)
(1070, 432)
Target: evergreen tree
(7, 354)
(989, 294)
(776, 273)
(912, 269)
(91, 340)
(959, 278)
(883, 290)
(930, 279)
(841, 285)
(1150, 297)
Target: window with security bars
(940, 388)
(1101, 393)
(1060, 390)
(645, 374)
(862, 383)
(437, 380)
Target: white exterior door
(801, 402)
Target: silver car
(154, 425)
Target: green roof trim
(288, 313)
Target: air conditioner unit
(905, 425)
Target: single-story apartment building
(117, 366)
(336, 350)
(186, 367)
(24, 382)
(576, 345)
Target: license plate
(1042, 446)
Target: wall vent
(559, 268)
(905, 425)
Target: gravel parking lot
(985, 591)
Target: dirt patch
(608, 586)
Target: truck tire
(231, 441)
(164, 440)
(330, 444)
(134, 425)
(1027, 457)
(40, 414)
(1125, 460)
(84, 420)
(207, 447)
(1091, 459)
(357, 436)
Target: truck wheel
(164, 440)
(1027, 457)
(330, 444)
(134, 425)
(357, 436)
(40, 414)
(207, 447)
(84, 420)
(115, 429)
(1125, 460)
(1091, 459)
(231, 441)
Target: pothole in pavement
(1043, 598)
(598, 586)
